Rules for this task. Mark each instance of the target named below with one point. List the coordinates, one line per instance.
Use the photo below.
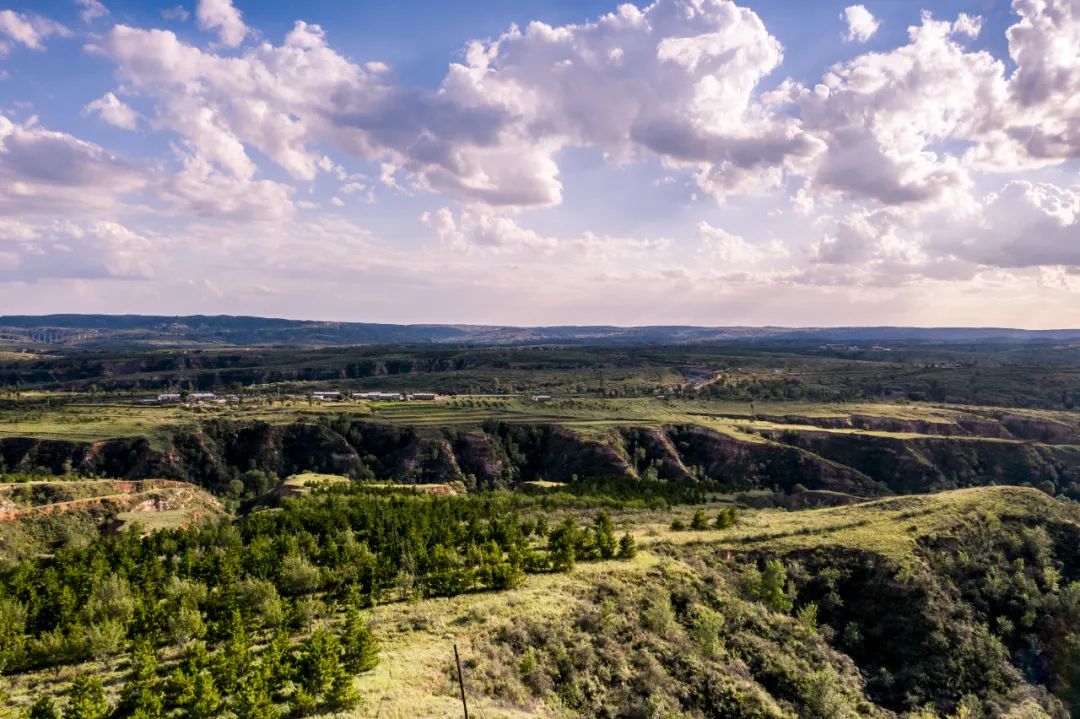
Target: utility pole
(461, 682)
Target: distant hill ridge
(240, 330)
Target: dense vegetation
(1000, 373)
(267, 576)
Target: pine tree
(773, 590)
(236, 657)
(319, 659)
(604, 532)
(699, 521)
(142, 695)
(303, 703)
(562, 545)
(206, 700)
(726, 517)
(360, 648)
(627, 547)
(277, 662)
(43, 708)
(86, 699)
(253, 700)
(342, 694)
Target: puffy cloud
(199, 189)
(1022, 225)
(677, 80)
(91, 10)
(720, 246)
(28, 30)
(92, 250)
(883, 117)
(221, 17)
(1041, 124)
(969, 25)
(481, 229)
(861, 23)
(477, 228)
(272, 98)
(114, 111)
(43, 171)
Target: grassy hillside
(959, 604)
(38, 517)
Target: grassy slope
(83, 421)
(891, 527)
(415, 678)
(36, 517)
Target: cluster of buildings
(376, 396)
(191, 398)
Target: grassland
(891, 527)
(58, 417)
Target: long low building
(379, 396)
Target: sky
(540, 162)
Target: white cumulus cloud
(861, 23)
(114, 111)
(221, 17)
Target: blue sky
(682, 162)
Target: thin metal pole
(461, 682)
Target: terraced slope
(36, 517)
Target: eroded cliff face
(501, 455)
(929, 464)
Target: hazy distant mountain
(96, 330)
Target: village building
(379, 396)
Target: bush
(726, 518)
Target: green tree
(726, 517)
(86, 699)
(773, 590)
(604, 533)
(627, 547)
(43, 708)
(562, 545)
(342, 694)
(699, 521)
(360, 648)
(303, 703)
(206, 699)
(142, 694)
(320, 657)
(252, 699)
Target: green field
(60, 417)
